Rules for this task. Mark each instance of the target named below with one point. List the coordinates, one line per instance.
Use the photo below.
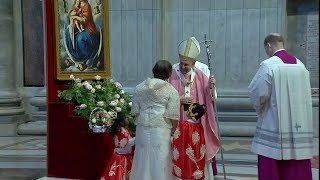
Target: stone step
(40, 116)
(33, 128)
(236, 151)
(237, 129)
(30, 152)
(240, 159)
(237, 116)
(240, 129)
(237, 172)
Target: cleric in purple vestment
(280, 93)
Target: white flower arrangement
(103, 93)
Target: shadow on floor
(21, 174)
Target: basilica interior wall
(144, 31)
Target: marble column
(10, 102)
(37, 101)
(37, 121)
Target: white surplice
(283, 105)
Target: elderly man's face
(185, 65)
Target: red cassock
(189, 151)
(119, 166)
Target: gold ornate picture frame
(82, 38)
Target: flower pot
(98, 129)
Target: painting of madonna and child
(82, 49)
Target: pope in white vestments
(203, 68)
(194, 86)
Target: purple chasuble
(286, 57)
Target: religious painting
(82, 38)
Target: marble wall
(143, 31)
(303, 35)
(302, 27)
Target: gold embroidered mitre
(189, 48)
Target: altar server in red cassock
(189, 145)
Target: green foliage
(91, 94)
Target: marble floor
(24, 158)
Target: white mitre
(189, 48)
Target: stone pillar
(167, 10)
(38, 114)
(10, 102)
(38, 96)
